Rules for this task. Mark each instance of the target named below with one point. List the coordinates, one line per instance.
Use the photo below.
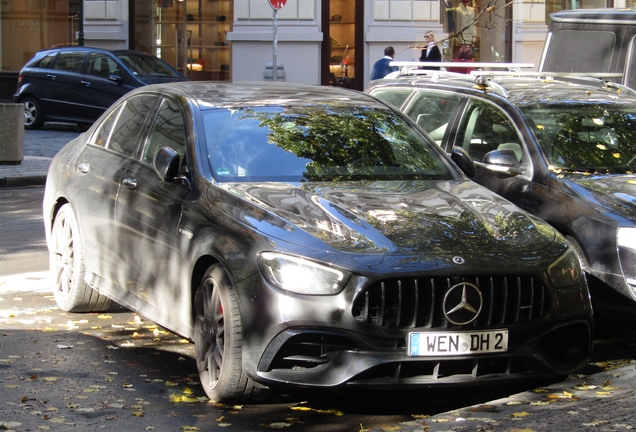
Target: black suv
(562, 148)
(77, 84)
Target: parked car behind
(600, 41)
(563, 149)
(77, 84)
(308, 236)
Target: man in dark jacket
(381, 68)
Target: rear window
(580, 51)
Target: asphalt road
(117, 371)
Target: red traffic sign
(277, 4)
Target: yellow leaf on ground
(301, 408)
(104, 317)
(520, 414)
(138, 413)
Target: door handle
(83, 167)
(86, 83)
(130, 183)
(51, 76)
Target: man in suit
(381, 68)
(431, 53)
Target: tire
(71, 292)
(33, 115)
(218, 341)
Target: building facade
(329, 42)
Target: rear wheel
(33, 115)
(218, 341)
(71, 292)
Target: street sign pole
(276, 5)
(275, 62)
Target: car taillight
(20, 80)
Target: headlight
(626, 237)
(566, 271)
(299, 275)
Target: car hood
(613, 192)
(386, 217)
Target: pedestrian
(431, 53)
(464, 55)
(382, 67)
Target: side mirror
(463, 161)
(503, 161)
(166, 164)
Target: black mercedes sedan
(308, 236)
(559, 145)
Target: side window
(432, 112)
(168, 129)
(102, 65)
(69, 61)
(395, 97)
(565, 53)
(120, 130)
(45, 62)
(101, 136)
(485, 128)
(129, 124)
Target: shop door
(192, 36)
(342, 23)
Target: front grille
(411, 303)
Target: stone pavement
(600, 401)
(40, 146)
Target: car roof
(517, 88)
(605, 16)
(85, 48)
(211, 95)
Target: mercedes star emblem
(462, 303)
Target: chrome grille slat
(413, 302)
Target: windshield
(148, 66)
(331, 142)
(592, 137)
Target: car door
(63, 94)
(484, 127)
(99, 170)
(104, 83)
(148, 215)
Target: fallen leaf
(520, 414)
(138, 413)
(301, 408)
(278, 425)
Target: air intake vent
(411, 303)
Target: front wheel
(218, 341)
(33, 115)
(71, 292)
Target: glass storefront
(486, 32)
(31, 26)
(190, 35)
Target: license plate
(457, 343)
